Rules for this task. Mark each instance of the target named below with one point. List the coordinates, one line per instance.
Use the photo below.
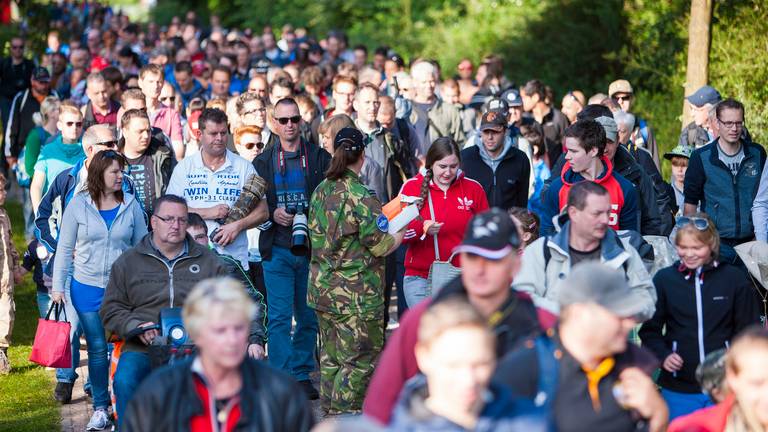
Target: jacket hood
(411, 412)
(494, 162)
(570, 178)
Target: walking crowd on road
(231, 216)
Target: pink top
(169, 120)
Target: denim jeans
(132, 368)
(43, 303)
(681, 404)
(286, 276)
(416, 290)
(98, 359)
(69, 375)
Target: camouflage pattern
(350, 346)
(347, 266)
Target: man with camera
(157, 273)
(293, 169)
(211, 182)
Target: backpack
(22, 176)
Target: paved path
(75, 415)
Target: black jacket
(728, 305)
(508, 186)
(20, 122)
(627, 166)
(664, 201)
(14, 79)
(318, 161)
(270, 401)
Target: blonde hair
(452, 313)
(214, 296)
(50, 103)
(69, 107)
(217, 103)
(708, 236)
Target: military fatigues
(346, 287)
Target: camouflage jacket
(349, 241)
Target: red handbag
(52, 347)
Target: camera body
(299, 231)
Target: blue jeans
(286, 276)
(98, 359)
(69, 375)
(681, 404)
(43, 303)
(416, 289)
(132, 368)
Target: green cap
(681, 151)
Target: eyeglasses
(70, 124)
(171, 98)
(109, 144)
(700, 224)
(254, 111)
(249, 145)
(170, 219)
(731, 124)
(285, 120)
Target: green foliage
(26, 402)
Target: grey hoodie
(85, 241)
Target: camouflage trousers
(350, 345)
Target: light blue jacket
(85, 241)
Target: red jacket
(397, 363)
(454, 208)
(710, 419)
(206, 422)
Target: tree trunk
(699, 35)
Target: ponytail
(341, 160)
(425, 188)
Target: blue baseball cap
(512, 97)
(704, 95)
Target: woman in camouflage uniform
(349, 242)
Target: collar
(227, 161)
(184, 251)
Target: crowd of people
(253, 187)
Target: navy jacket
(726, 304)
(725, 198)
(508, 185)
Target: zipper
(171, 291)
(699, 315)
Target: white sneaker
(99, 421)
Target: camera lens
(300, 235)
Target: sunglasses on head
(285, 120)
(249, 145)
(700, 224)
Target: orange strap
(593, 379)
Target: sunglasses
(250, 145)
(700, 224)
(170, 98)
(109, 144)
(285, 120)
(70, 124)
(17, 47)
(622, 98)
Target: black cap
(41, 74)
(491, 234)
(350, 138)
(496, 104)
(496, 120)
(262, 66)
(397, 59)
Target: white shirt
(203, 188)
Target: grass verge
(26, 402)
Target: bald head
(96, 136)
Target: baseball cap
(512, 97)
(491, 235)
(351, 138)
(262, 66)
(40, 74)
(493, 120)
(609, 126)
(496, 104)
(619, 86)
(594, 282)
(704, 95)
(681, 150)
